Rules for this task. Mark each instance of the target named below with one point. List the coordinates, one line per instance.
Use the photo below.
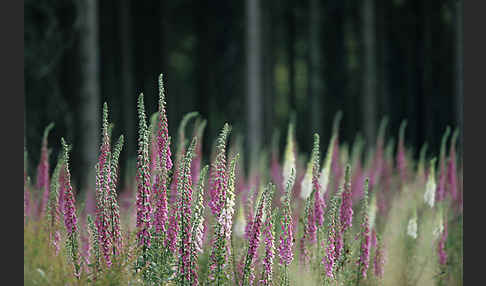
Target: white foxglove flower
(438, 229)
(430, 186)
(289, 157)
(306, 185)
(412, 227)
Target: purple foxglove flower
(173, 231)
(103, 183)
(269, 241)
(165, 163)
(286, 241)
(70, 220)
(261, 210)
(217, 184)
(331, 256)
(222, 238)
(114, 207)
(346, 210)
(364, 257)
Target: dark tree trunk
(315, 90)
(89, 92)
(254, 75)
(128, 92)
(370, 101)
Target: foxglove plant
(441, 246)
(359, 174)
(94, 242)
(217, 182)
(286, 240)
(43, 171)
(401, 160)
(314, 206)
(452, 168)
(441, 192)
(254, 242)
(379, 260)
(217, 201)
(326, 167)
(181, 150)
(103, 181)
(143, 181)
(53, 207)
(289, 157)
(269, 241)
(378, 161)
(70, 220)
(184, 187)
(310, 180)
(330, 258)
(412, 227)
(196, 162)
(319, 204)
(165, 165)
(197, 226)
(309, 230)
(364, 258)
(430, 186)
(221, 250)
(346, 210)
(114, 208)
(383, 203)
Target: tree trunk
(128, 92)
(315, 67)
(254, 68)
(268, 67)
(369, 81)
(89, 92)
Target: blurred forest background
(248, 62)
